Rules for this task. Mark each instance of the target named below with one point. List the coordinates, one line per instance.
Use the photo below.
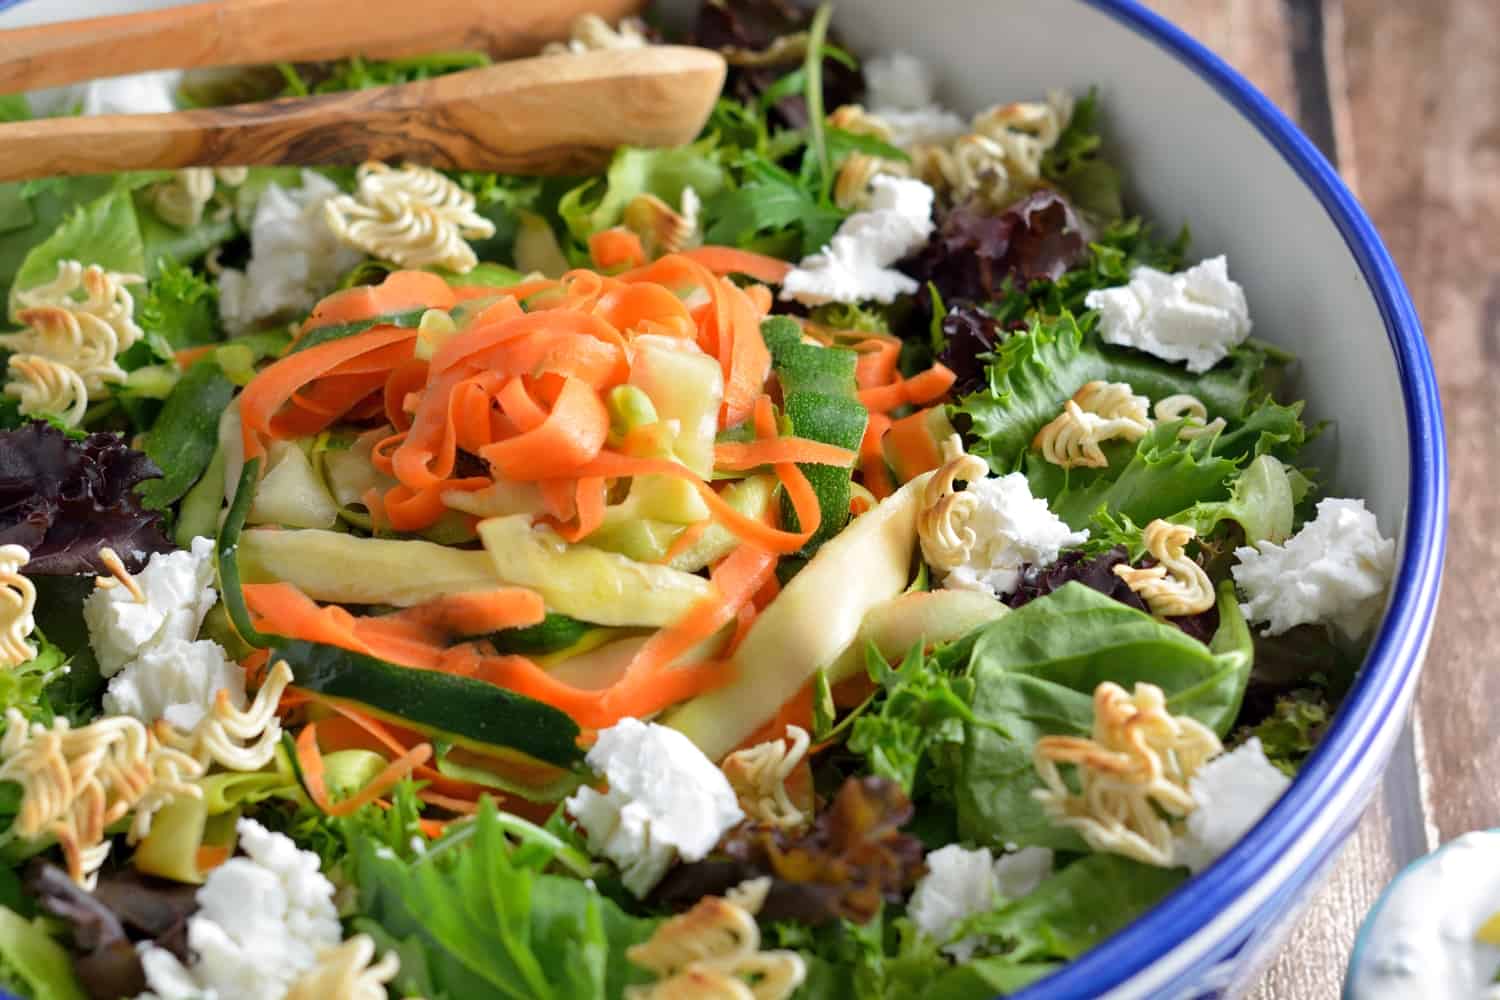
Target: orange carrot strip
(186, 357)
(910, 440)
(589, 504)
(615, 249)
(737, 456)
(927, 387)
(210, 856)
(476, 612)
(873, 471)
(876, 364)
(571, 436)
(310, 760)
(646, 308)
(760, 297)
(274, 386)
(747, 364)
(729, 260)
(686, 540)
(464, 807)
(401, 291)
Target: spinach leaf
(479, 919)
(1035, 672)
(183, 439)
(1073, 909)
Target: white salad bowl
(1199, 145)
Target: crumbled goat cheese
(295, 259)
(177, 681)
(1335, 570)
(1232, 791)
(856, 264)
(179, 591)
(261, 922)
(960, 883)
(665, 800)
(1012, 530)
(133, 94)
(1194, 316)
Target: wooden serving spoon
(246, 32)
(562, 114)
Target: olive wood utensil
(245, 32)
(561, 114)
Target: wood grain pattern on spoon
(245, 32)
(548, 115)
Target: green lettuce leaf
(922, 706)
(24, 687)
(180, 309)
(486, 922)
(1262, 500)
(104, 231)
(1035, 672)
(32, 963)
(1036, 372)
(599, 203)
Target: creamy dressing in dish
(1420, 941)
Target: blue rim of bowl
(1392, 665)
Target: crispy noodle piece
(182, 200)
(1190, 408)
(712, 952)
(87, 334)
(1176, 585)
(662, 229)
(1133, 773)
(759, 774)
(43, 385)
(17, 604)
(943, 523)
(75, 783)
(348, 972)
(119, 576)
(998, 161)
(592, 33)
(235, 739)
(412, 216)
(1098, 412)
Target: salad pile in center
(847, 556)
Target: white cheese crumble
(261, 922)
(1193, 316)
(1232, 791)
(856, 264)
(665, 800)
(295, 259)
(1012, 529)
(133, 94)
(961, 882)
(179, 591)
(177, 681)
(1335, 570)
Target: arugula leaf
(184, 437)
(597, 204)
(922, 706)
(1035, 672)
(103, 231)
(1074, 163)
(486, 922)
(1034, 373)
(770, 211)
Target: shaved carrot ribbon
(928, 387)
(310, 761)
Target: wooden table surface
(1404, 98)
